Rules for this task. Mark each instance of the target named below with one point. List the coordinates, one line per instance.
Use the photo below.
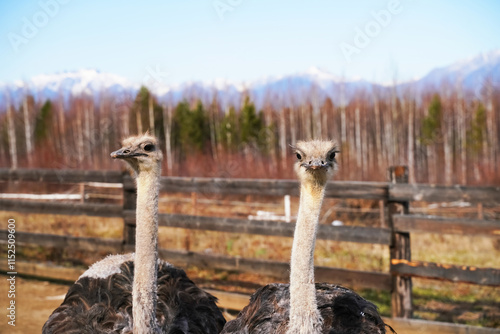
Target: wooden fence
(395, 233)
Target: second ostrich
(137, 293)
(303, 307)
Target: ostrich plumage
(303, 307)
(137, 293)
(104, 305)
(343, 312)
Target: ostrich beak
(125, 153)
(121, 153)
(315, 164)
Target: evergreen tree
(431, 124)
(228, 132)
(252, 127)
(190, 129)
(476, 133)
(43, 122)
(139, 114)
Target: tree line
(442, 136)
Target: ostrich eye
(149, 147)
(331, 156)
(298, 156)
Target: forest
(444, 136)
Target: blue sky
(243, 40)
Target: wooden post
(194, 200)
(82, 192)
(480, 212)
(401, 300)
(129, 203)
(381, 206)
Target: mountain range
(314, 84)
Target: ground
(35, 301)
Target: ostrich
(303, 307)
(137, 293)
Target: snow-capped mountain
(314, 84)
(469, 73)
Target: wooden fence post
(401, 299)
(129, 204)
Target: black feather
(104, 305)
(343, 312)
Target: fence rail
(395, 196)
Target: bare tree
(167, 124)
(11, 130)
(213, 113)
(282, 139)
(27, 130)
(411, 142)
(79, 132)
(357, 131)
(138, 118)
(293, 127)
(462, 132)
(491, 123)
(343, 122)
(378, 129)
(151, 115)
(89, 130)
(62, 129)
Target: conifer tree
(252, 127)
(44, 122)
(228, 132)
(431, 124)
(476, 135)
(190, 129)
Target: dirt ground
(34, 300)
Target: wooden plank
(74, 209)
(270, 187)
(44, 270)
(353, 189)
(415, 326)
(268, 227)
(438, 193)
(278, 270)
(230, 300)
(203, 185)
(353, 278)
(466, 274)
(64, 241)
(444, 225)
(60, 175)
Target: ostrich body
(303, 307)
(137, 293)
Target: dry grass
(456, 249)
(79, 226)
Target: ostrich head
(315, 161)
(140, 152)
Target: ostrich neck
(146, 245)
(304, 315)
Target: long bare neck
(146, 254)
(304, 314)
